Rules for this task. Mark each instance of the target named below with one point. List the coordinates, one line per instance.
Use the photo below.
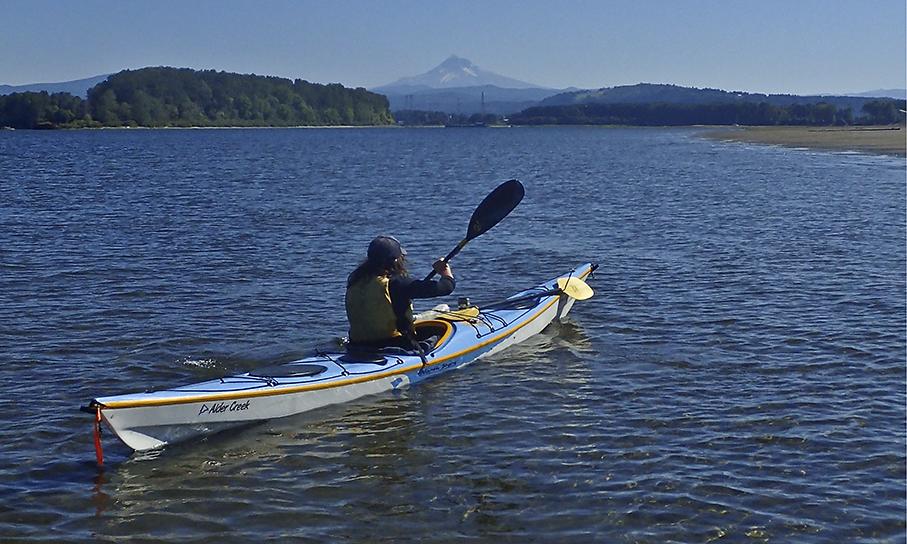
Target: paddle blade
(496, 206)
(575, 288)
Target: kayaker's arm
(410, 288)
(404, 289)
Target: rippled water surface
(738, 377)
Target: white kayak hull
(150, 420)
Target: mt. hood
(455, 72)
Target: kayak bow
(150, 420)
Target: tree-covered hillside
(42, 110)
(649, 93)
(158, 97)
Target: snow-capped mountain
(459, 86)
(455, 72)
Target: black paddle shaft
(496, 206)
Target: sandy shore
(882, 140)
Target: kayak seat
(288, 371)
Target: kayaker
(380, 293)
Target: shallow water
(739, 375)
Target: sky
(770, 46)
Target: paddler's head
(386, 252)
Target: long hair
(370, 269)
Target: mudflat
(877, 139)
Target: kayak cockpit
(430, 334)
(289, 370)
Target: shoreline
(192, 127)
(890, 140)
(879, 140)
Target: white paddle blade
(575, 288)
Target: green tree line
(41, 110)
(159, 97)
(664, 114)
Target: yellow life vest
(369, 310)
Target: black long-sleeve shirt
(404, 288)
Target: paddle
(496, 206)
(572, 287)
(575, 287)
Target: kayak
(154, 419)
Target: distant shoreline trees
(876, 112)
(180, 97)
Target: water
(739, 376)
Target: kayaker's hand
(442, 268)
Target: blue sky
(792, 46)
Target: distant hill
(671, 105)
(163, 96)
(78, 87)
(649, 93)
(900, 94)
(456, 86)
